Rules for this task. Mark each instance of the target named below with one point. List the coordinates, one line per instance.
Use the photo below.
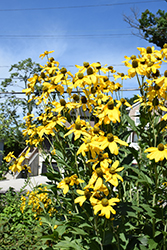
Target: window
(137, 120)
(134, 137)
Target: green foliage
(17, 230)
(154, 27)
(13, 108)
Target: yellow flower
(135, 68)
(120, 75)
(96, 179)
(150, 53)
(75, 180)
(101, 97)
(88, 145)
(46, 53)
(99, 194)
(17, 165)
(165, 184)
(55, 226)
(109, 113)
(111, 142)
(105, 206)
(80, 80)
(112, 176)
(102, 159)
(152, 67)
(87, 66)
(78, 128)
(162, 80)
(9, 157)
(64, 184)
(158, 154)
(84, 196)
(123, 101)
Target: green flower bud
(133, 57)
(80, 75)
(161, 147)
(62, 102)
(89, 71)
(87, 193)
(165, 73)
(98, 67)
(110, 105)
(63, 70)
(75, 97)
(77, 125)
(86, 64)
(104, 202)
(135, 63)
(83, 99)
(99, 172)
(149, 50)
(110, 137)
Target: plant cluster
(18, 230)
(103, 200)
(35, 199)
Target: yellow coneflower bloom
(9, 157)
(78, 128)
(120, 75)
(85, 195)
(103, 160)
(111, 142)
(69, 181)
(105, 206)
(157, 153)
(111, 174)
(64, 184)
(46, 53)
(109, 113)
(88, 145)
(96, 179)
(162, 80)
(123, 101)
(135, 68)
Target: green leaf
(60, 154)
(130, 226)
(132, 123)
(152, 244)
(62, 162)
(157, 233)
(131, 214)
(138, 209)
(108, 237)
(160, 126)
(143, 240)
(50, 237)
(142, 247)
(78, 231)
(85, 225)
(123, 238)
(61, 229)
(148, 209)
(67, 245)
(134, 152)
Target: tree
(20, 73)
(152, 28)
(13, 107)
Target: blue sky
(81, 34)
